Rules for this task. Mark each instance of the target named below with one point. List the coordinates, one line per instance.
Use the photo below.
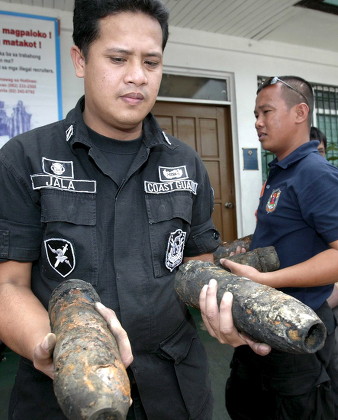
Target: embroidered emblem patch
(172, 179)
(168, 187)
(61, 168)
(59, 174)
(174, 173)
(175, 248)
(60, 255)
(273, 201)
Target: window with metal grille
(325, 118)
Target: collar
(298, 154)
(76, 130)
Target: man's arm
(332, 300)
(202, 257)
(218, 320)
(320, 270)
(24, 322)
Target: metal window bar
(326, 99)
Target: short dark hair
(87, 14)
(316, 134)
(294, 90)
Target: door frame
(230, 78)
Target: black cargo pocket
(186, 351)
(316, 405)
(69, 247)
(303, 392)
(169, 218)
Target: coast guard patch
(172, 173)
(174, 255)
(172, 179)
(60, 255)
(273, 201)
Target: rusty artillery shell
(263, 259)
(224, 250)
(90, 381)
(262, 312)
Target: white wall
(246, 60)
(191, 51)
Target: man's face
(275, 122)
(122, 74)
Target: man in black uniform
(107, 197)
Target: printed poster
(30, 76)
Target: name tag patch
(59, 174)
(48, 181)
(175, 247)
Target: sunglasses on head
(274, 80)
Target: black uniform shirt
(61, 210)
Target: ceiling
(272, 20)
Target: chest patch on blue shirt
(273, 200)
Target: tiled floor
(219, 359)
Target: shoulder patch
(60, 255)
(175, 248)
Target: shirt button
(216, 235)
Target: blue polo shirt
(298, 213)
